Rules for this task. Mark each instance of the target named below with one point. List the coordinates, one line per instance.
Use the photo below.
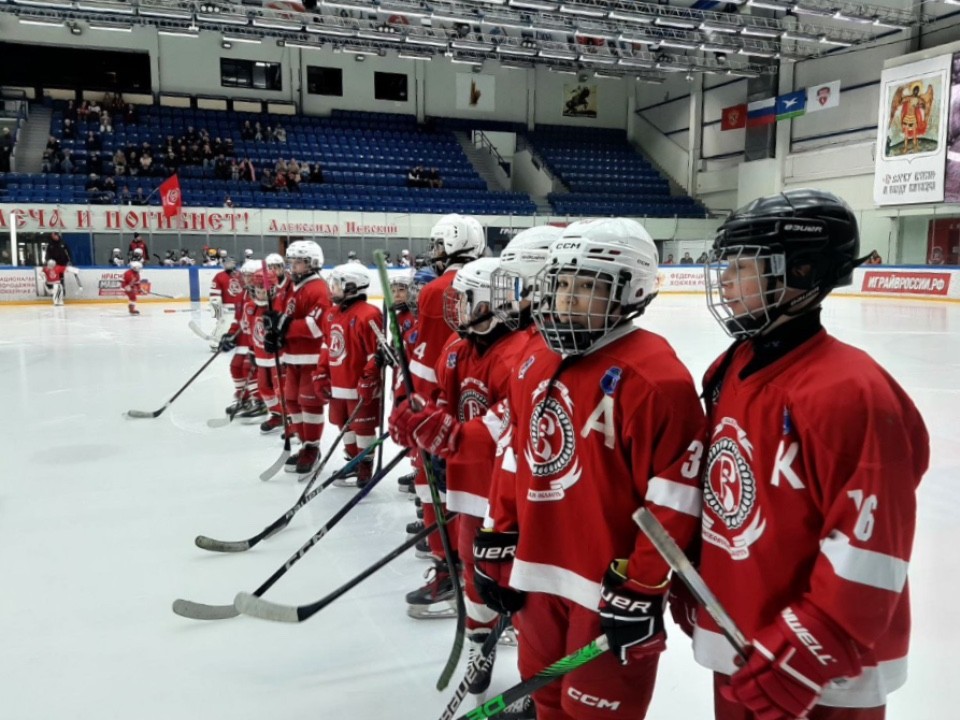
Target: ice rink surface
(98, 515)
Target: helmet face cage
(574, 307)
(507, 289)
(745, 286)
(309, 253)
(259, 288)
(467, 312)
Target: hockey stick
(255, 606)
(579, 658)
(157, 413)
(285, 453)
(244, 396)
(193, 325)
(457, 648)
(676, 559)
(168, 297)
(229, 546)
(336, 441)
(200, 611)
(383, 392)
(481, 663)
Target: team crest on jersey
(526, 366)
(337, 345)
(291, 306)
(234, 288)
(407, 324)
(730, 491)
(473, 400)
(551, 449)
(258, 332)
(451, 360)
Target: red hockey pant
(726, 710)
(363, 429)
(241, 372)
(551, 627)
(305, 408)
(267, 384)
(429, 516)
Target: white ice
(98, 515)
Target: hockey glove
(683, 606)
(399, 422)
(321, 383)
(274, 335)
(369, 386)
(789, 663)
(493, 555)
(228, 342)
(631, 615)
(430, 428)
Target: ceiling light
(117, 8)
(633, 17)
(790, 35)
(278, 24)
(474, 63)
(521, 51)
(598, 59)
(830, 41)
(889, 24)
(110, 28)
(634, 62)
(715, 27)
(533, 5)
(684, 44)
(414, 56)
(758, 53)
(164, 13)
(557, 55)
(223, 19)
(706, 47)
(45, 4)
(330, 30)
(251, 41)
(471, 45)
(607, 75)
(178, 33)
(771, 5)
(428, 41)
(39, 22)
(760, 32)
(562, 71)
(819, 12)
(676, 23)
(583, 10)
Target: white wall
(611, 100)
(358, 82)
(510, 92)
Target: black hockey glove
(274, 336)
(631, 615)
(228, 343)
(493, 554)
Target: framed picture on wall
(579, 100)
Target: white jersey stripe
(423, 371)
(313, 327)
(676, 496)
(342, 393)
(313, 418)
(539, 577)
(866, 567)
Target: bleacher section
(365, 159)
(606, 176)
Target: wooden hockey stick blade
(249, 604)
(201, 611)
(677, 559)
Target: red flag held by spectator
(734, 117)
(170, 196)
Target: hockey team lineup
(528, 399)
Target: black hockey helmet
(804, 239)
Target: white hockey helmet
(347, 280)
(308, 251)
(137, 252)
(229, 264)
(136, 265)
(249, 267)
(520, 261)
(599, 274)
(456, 238)
(467, 303)
(248, 253)
(275, 260)
(116, 251)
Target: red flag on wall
(734, 117)
(170, 196)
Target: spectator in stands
(246, 131)
(69, 130)
(404, 260)
(227, 201)
(53, 144)
(93, 141)
(49, 162)
(125, 198)
(247, 171)
(414, 177)
(257, 132)
(268, 134)
(234, 170)
(146, 164)
(190, 137)
(317, 175)
(130, 115)
(71, 112)
(280, 182)
(434, 178)
(687, 258)
(206, 157)
(185, 259)
(83, 111)
(266, 182)
(703, 258)
(140, 198)
(109, 194)
(936, 256)
(93, 187)
(133, 163)
(6, 149)
(305, 172)
(67, 165)
(138, 244)
(106, 124)
(280, 166)
(294, 175)
(279, 134)
(119, 163)
(228, 148)
(874, 258)
(669, 260)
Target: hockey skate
(422, 550)
(480, 682)
(274, 422)
(508, 638)
(414, 527)
(257, 408)
(405, 483)
(436, 599)
(522, 709)
(348, 479)
(364, 473)
(307, 458)
(290, 465)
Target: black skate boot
(257, 408)
(415, 527)
(307, 458)
(480, 681)
(436, 599)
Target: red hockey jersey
(614, 430)
(470, 383)
(257, 333)
(351, 342)
(227, 287)
(809, 493)
(131, 281)
(307, 300)
(244, 322)
(54, 275)
(430, 334)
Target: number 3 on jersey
(691, 468)
(863, 529)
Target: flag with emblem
(791, 105)
(734, 117)
(170, 196)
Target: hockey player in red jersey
(243, 371)
(342, 376)
(400, 284)
(279, 286)
(226, 291)
(267, 382)
(455, 240)
(473, 374)
(809, 478)
(53, 275)
(130, 284)
(298, 333)
(606, 417)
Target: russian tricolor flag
(762, 112)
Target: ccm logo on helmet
(566, 246)
(802, 228)
(592, 700)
